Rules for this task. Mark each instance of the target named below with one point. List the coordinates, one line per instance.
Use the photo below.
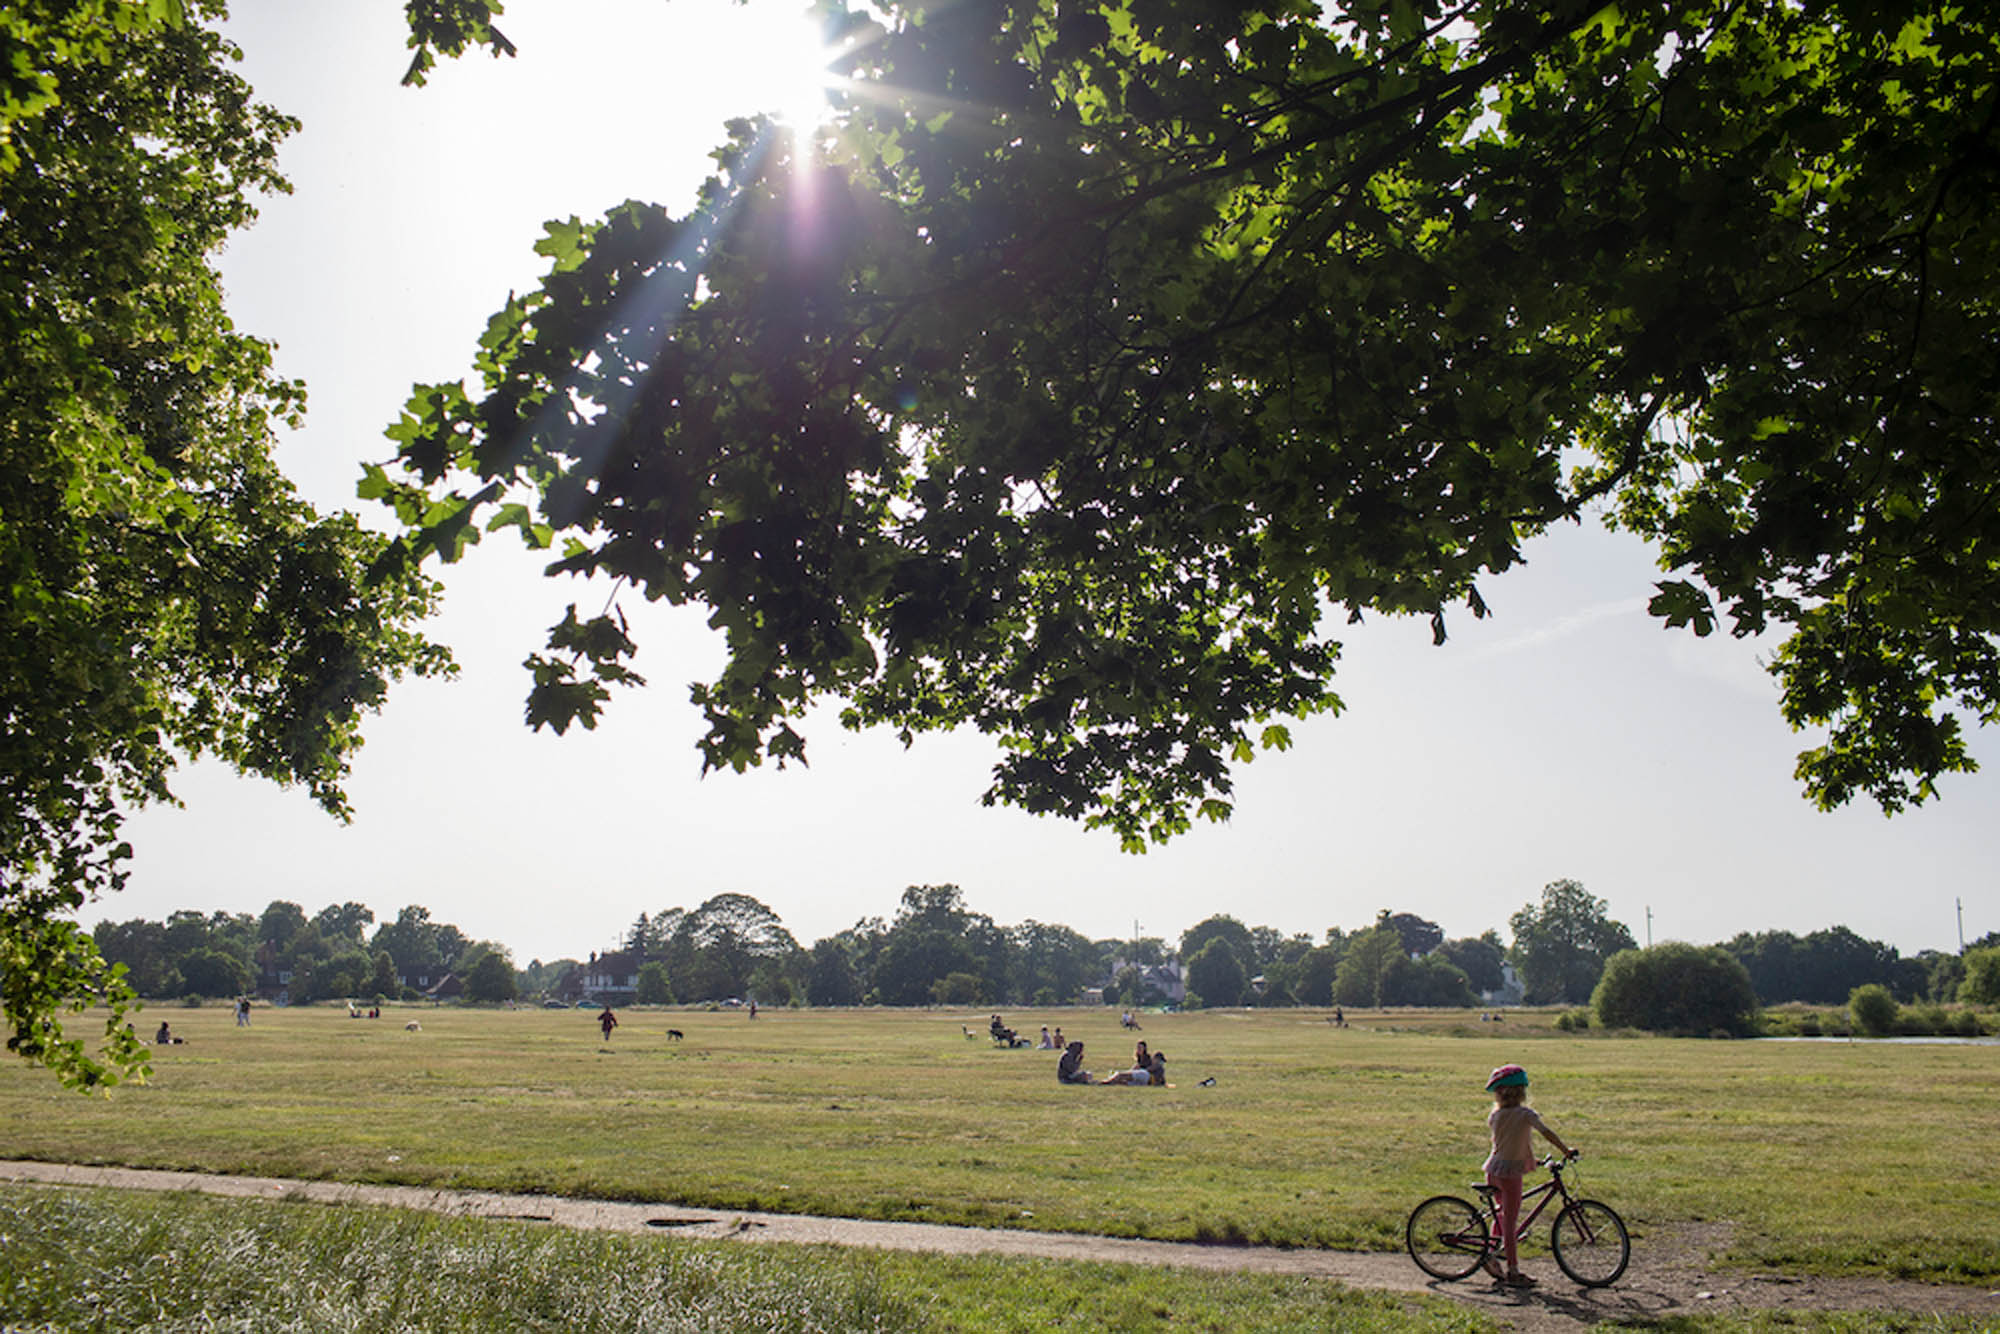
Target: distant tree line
(937, 949)
(330, 955)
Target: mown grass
(80, 1260)
(1828, 1157)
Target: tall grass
(79, 1260)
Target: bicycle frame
(1551, 1189)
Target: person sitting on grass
(1069, 1070)
(1146, 1069)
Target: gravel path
(1671, 1273)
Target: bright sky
(1568, 736)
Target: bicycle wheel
(1590, 1243)
(1446, 1237)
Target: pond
(1939, 1040)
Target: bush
(1873, 1008)
(1677, 988)
(1922, 1022)
(1570, 1021)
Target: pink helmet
(1507, 1076)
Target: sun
(788, 77)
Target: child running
(1512, 1122)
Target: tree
(1314, 985)
(1982, 977)
(1677, 988)
(913, 959)
(729, 934)
(654, 989)
(344, 975)
(1824, 967)
(212, 972)
(1561, 946)
(346, 921)
(958, 989)
(645, 938)
(412, 941)
(491, 978)
(1771, 958)
(1431, 981)
(282, 920)
(1048, 959)
(382, 976)
(139, 946)
(1418, 935)
(1215, 973)
(1128, 987)
(831, 977)
(1123, 340)
(1479, 958)
(936, 932)
(164, 591)
(1358, 980)
(1219, 927)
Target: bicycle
(1449, 1237)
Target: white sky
(1569, 736)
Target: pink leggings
(1507, 1201)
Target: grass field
(1830, 1157)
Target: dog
(413, 1027)
(675, 1035)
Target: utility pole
(1959, 904)
(1649, 926)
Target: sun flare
(790, 79)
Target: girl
(1513, 1124)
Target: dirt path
(1670, 1274)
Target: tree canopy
(164, 591)
(1562, 944)
(1101, 356)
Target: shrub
(1925, 1021)
(1873, 1008)
(1677, 988)
(1570, 1021)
